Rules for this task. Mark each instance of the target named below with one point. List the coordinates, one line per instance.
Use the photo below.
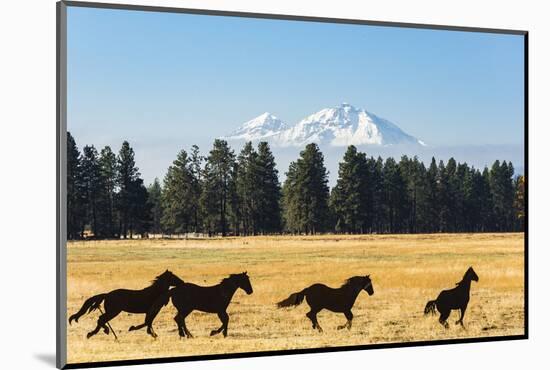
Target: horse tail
(90, 305)
(430, 308)
(293, 300)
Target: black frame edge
(227, 13)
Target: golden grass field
(406, 270)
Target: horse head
(368, 285)
(471, 274)
(243, 282)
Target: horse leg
(140, 326)
(187, 332)
(224, 318)
(349, 317)
(179, 321)
(102, 322)
(149, 325)
(150, 331)
(148, 321)
(319, 328)
(443, 317)
(94, 332)
(226, 324)
(182, 327)
(106, 329)
(150, 317)
(184, 315)
(216, 331)
(311, 315)
(462, 313)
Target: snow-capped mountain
(262, 127)
(341, 126)
(345, 125)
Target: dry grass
(406, 271)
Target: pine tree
(451, 189)
(140, 209)
(472, 187)
(269, 197)
(155, 203)
(396, 198)
(91, 176)
(218, 188)
(502, 190)
(127, 175)
(444, 198)
(498, 193)
(431, 206)
(414, 173)
(108, 173)
(509, 195)
(292, 203)
(519, 203)
(350, 196)
(195, 167)
(307, 192)
(178, 196)
(209, 198)
(234, 208)
(375, 206)
(487, 202)
(75, 191)
(248, 189)
(462, 180)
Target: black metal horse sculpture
(320, 296)
(453, 299)
(189, 297)
(133, 301)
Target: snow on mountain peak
(340, 126)
(261, 127)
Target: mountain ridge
(339, 126)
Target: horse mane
(354, 280)
(156, 281)
(230, 277)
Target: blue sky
(166, 81)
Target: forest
(228, 194)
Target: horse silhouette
(189, 297)
(133, 301)
(320, 296)
(453, 299)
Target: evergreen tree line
(225, 193)
(373, 195)
(221, 193)
(106, 196)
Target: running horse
(132, 301)
(320, 296)
(190, 297)
(453, 299)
